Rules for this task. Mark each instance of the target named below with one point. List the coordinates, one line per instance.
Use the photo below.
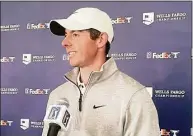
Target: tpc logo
(24, 124)
(54, 113)
(66, 118)
(148, 18)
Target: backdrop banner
(152, 44)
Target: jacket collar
(107, 69)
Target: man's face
(81, 49)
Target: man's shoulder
(62, 87)
(128, 81)
(134, 88)
(62, 90)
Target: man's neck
(86, 71)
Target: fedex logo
(121, 20)
(7, 59)
(36, 91)
(38, 26)
(164, 132)
(6, 123)
(163, 55)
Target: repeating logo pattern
(19, 63)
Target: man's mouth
(71, 53)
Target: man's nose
(66, 42)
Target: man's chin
(73, 64)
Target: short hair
(94, 34)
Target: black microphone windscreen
(53, 129)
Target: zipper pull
(80, 102)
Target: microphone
(58, 117)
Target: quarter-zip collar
(107, 69)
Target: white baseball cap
(84, 18)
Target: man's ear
(102, 40)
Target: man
(103, 101)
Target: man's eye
(75, 34)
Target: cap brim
(58, 27)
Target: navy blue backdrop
(152, 44)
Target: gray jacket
(114, 104)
